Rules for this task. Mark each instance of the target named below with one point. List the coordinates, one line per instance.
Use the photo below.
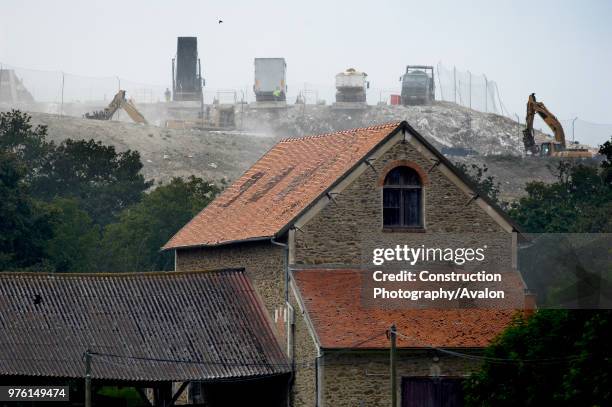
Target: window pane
(403, 176)
(391, 217)
(391, 198)
(411, 206)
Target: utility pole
(87, 378)
(393, 364)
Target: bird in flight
(220, 21)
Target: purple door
(432, 392)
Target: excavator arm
(533, 107)
(118, 102)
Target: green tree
(555, 357)
(25, 226)
(75, 241)
(102, 181)
(134, 242)
(26, 142)
(485, 184)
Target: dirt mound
(166, 153)
(218, 155)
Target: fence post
(470, 88)
(439, 82)
(454, 84)
(486, 94)
(62, 102)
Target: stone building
(302, 222)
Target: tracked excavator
(558, 148)
(118, 102)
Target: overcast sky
(562, 50)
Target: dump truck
(351, 86)
(418, 85)
(558, 148)
(187, 79)
(270, 80)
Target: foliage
(25, 226)
(73, 247)
(27, 143)
(133, 243)
(485, 184)
(556, 357)
(579, 202)
(102, 181)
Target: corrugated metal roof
(170, 326)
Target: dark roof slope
(195, 325)
(332, 298)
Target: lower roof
(332, 298)
(156, 326)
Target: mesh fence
(52, 91)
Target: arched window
(402, 198)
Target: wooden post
(87, 378)
(393, 364)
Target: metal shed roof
(158, 326)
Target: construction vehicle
(118, 102)
(187, 79)
(351, 86)
(558, 148)
(418, 85)
(270, 80)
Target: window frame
(401, 188)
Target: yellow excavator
(558, 148)
(118, 102)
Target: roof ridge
(346, 131)
(143, 274)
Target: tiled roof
(333, 303)
(278, 187)
(197, 326)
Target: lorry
(418, 85)
(351, 86)
(187, 79)
(270, 80)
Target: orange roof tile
(278, 187)
(332, 298)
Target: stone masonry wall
(262, 261)
(348, 225)
(362, 379)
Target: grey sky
(562, 50)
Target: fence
(53, 90)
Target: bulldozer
(558, 148)
(118, 102)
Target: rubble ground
(224, 155)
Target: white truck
(270, 80)
(351, 86)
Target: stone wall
(345, 229)
(262, 261)
(362, 378)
